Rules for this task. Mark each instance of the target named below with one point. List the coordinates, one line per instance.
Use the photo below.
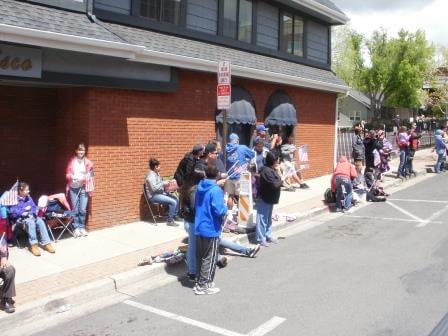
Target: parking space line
(387, 218)
(404, 211)
(433, 216)
(260, 331)
(416, 200)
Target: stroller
(57, 214)
(375, 192)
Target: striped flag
(90, 182)
(10, 197)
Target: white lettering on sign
(224, 72)
(20, 61)
(223, 96)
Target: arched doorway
(280, 114)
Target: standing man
(397, 122)
(414, 137)
(209, 212)
(358, 150)
(237, 156)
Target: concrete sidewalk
(109, 257)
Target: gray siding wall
(116, 6)
(202, 15)
(267, 26)
(317, 42)
(346, 107)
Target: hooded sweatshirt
(440, 144)
(209, 209)
(345, 169)
(240, 153)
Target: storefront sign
(223, 94)
(224, 73)
(20, 61)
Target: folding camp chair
(150, 208)
(57, 217)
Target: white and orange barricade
(245, 204)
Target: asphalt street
(381, 270)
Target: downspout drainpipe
(89, 10)
(335, 147)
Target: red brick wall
(123, 128)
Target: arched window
(280, 114)
(241, 118)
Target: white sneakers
(80, 233)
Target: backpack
(329, 196)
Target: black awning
(242, 110)
(280, 110)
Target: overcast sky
(368, 15)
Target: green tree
(347, 55)
(397, 71)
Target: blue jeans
(343, 181)
(403, 166)
(79, 199)
(227, 243)
(191, 253)
(264, 220)
(170, 200)
(33, 223)
(440, 161)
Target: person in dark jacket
(414, 137)
(268, 195)
(186, 165)
(209, 212)
(7, 277)
(358, 151)
(370, 144)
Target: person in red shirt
(341, 179)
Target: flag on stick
(90, 182)
(10, 197)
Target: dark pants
(206, 259)
(8, 290)
(410, 159)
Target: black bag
(329, 196)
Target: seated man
(25, 213)
(287, 163)
(7, 279)
(155, 190)
(341, 183)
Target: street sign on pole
(224, 73)
(223, 96)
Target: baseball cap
(233, 137)
(197, 149)
(261, 128)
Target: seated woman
(25, 212)
(7, 278)
(287, 163)
(341, 183)
(155, 190)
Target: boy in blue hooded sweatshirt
(209, 211)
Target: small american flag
(3, 244)
(10, 197)
(90, 181)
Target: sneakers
(304, 186)
(272, 240)
(254, 251)
(35, 250)
(7, 306)
(191, 277)
(222, 262)
(205, 290)
(83, 232)
(172, 223)
(264, 244)
(77, 233)
(49, 248)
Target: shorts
(232, 187)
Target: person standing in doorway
(79, 175)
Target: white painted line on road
(433, 216)
(415, 200)
(260, 331)
(267, 327)
(404, 211)
(386, 218)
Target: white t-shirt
(79, 174)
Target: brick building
(134, 79)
